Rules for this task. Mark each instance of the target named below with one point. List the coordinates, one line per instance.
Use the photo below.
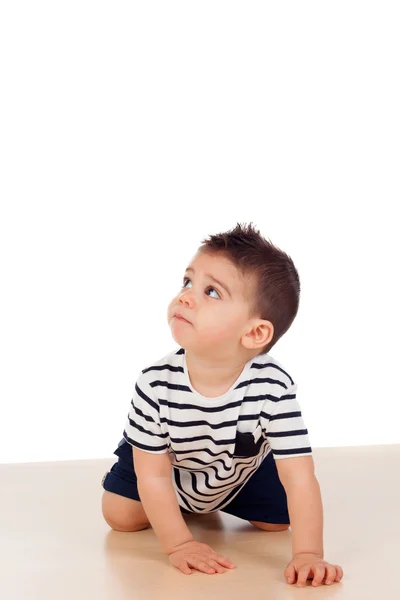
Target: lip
(178, 315)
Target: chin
(178, 339)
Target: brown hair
(272, 283)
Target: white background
(131, 130)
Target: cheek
(217, 329)
(224, 324)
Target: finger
(330, 574)
(225, 561)
(214, 565)
(290, 573)
(184, 567)
(319, 574)
(203, 566)
(302, 575)
(339, 572)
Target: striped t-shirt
(215, 444)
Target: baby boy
(215, 425)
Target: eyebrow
(213, 278)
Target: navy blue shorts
(262, 498)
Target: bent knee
(123, 514)
(126, 527)
(270, 526)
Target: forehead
(220, 268)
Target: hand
(311, 566)
(199, 556)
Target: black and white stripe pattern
(215, 444)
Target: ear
(259, 335)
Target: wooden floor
(54, 543)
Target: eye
(185, 279)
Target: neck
(214, 374)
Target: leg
(123, 514)
(269, 526)
(121, 505)
(262, 500)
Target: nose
(186, 297)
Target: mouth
(180, 318)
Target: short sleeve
(143, 428)
(283, 426)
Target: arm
(304, 504)
(156, 491)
